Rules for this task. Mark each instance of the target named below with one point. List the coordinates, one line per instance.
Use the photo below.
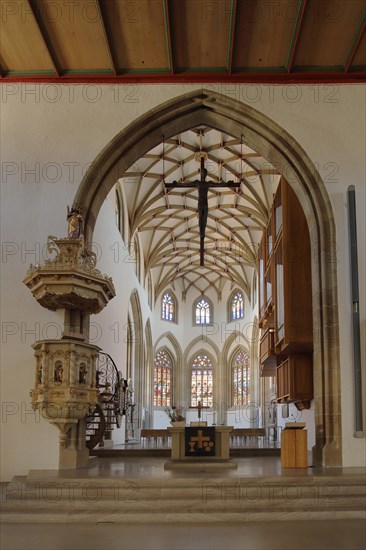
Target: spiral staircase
(112, 403)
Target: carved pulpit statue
(75, 222)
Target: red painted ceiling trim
(315, 77)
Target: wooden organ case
(285, 300)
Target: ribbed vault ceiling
(166, 220)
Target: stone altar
(180, 460)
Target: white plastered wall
(50, 134)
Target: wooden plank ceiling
(183, 40)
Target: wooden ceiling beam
(356, 41)
(232, 29)
(43, 33)
(106, 36)
(168, 35)
(295, 37)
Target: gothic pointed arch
(202, 342)
(173, 342)
(277, 146)
(236, 337)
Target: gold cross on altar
(199, 439)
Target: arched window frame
(194, 403)
(171, 368)
(211, 311)
(246, 370)
(175, 306)
(232, 296)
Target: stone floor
(295, 535)
(154, 467)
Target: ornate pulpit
(65, 379)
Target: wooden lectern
(294, 448)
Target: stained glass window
(162, 379)
(202, 381)
(168, 307)
(203, 312)
(241, 378)
(237, 306)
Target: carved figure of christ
(203, 187)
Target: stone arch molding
(280, 149)
(174, 343)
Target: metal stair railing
(112, 404)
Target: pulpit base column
(73, 453)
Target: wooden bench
(154, 435)
(239, 434)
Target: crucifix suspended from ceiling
(203, 187)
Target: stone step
(131, 499)
(251, 492)
(61, 497)
(191, 516)
(301, 477)
(134, 502)
(158, 484)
